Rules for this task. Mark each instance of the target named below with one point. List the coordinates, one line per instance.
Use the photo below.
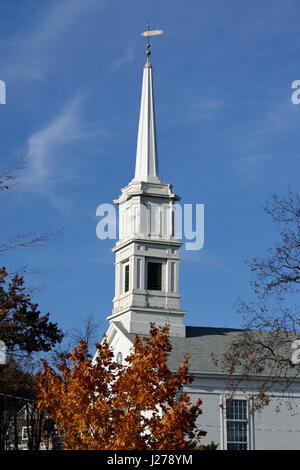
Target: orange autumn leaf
(103, 405)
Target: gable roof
(199, 343)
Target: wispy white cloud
(45, 166)
(48, 167)
(29, 54)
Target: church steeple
(146, 167)
(147, 252)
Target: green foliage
(195, 446)
(22, 327)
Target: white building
(146, 290)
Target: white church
(146, 290)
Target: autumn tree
(264, 349)
(23, 328)
(100, 404)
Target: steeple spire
(146, 155)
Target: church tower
(147, 252)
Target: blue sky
(228, 137)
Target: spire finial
(153, 32)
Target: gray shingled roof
(199, 343)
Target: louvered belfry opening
(154, 276)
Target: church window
(173, 224)
(237, 424)
(138, 273)
(172, 277)
(119, 358)
(154, 276)
(126, 278)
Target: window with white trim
(126, 277)
(237, 429)
(25, 433)
(154, 275)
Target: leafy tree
(264, 347)
(22, 327)
(100, 404)
(24, 330)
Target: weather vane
(149, 32)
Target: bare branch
(7, 176)
(262, 353)
(30, 240)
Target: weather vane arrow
(149, 32)
(153, 32)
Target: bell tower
(147, 252)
